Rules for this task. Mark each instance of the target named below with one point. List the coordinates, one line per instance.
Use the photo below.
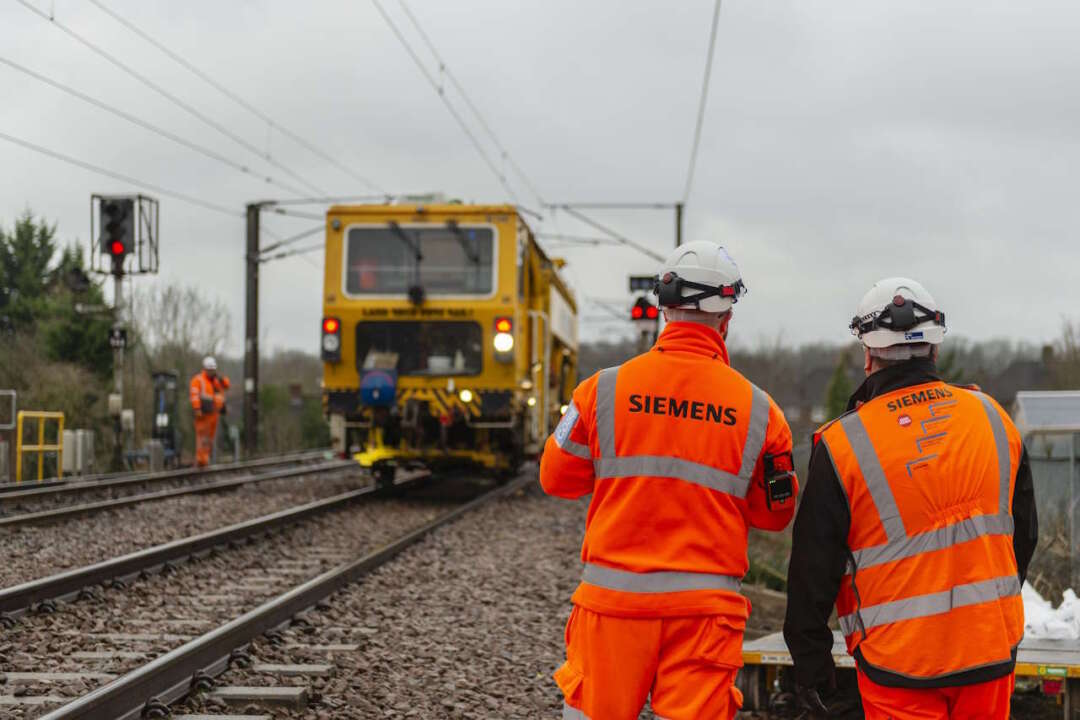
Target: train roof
(419, 208)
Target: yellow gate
(40, 448)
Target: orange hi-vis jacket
(672, 447)
(932, 589)
(208, 394)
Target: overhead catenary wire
(185, 106)
(145, 124)
(282, 242)
(442, 96)
(291, 253)
(208, 79)
(120, 176)
(701, 103)
(445, 70)
(611, 233)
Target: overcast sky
(843, 142)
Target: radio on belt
(779, 478)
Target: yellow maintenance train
(448, 337)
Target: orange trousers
(985, 701)
(205, 429)
(686, 664)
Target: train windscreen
(442, 259)
(424, 348)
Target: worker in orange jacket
(681, 455)
(919, 522)
(207, 402)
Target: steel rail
(62, 487)
(170, 676)
(17, 599)
(67, 511)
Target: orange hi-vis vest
(670, 445)
(208, 394)
(932, 589)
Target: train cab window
(443, 259)
(424, 348)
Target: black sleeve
(1025, 517)
(819, 555)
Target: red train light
(652, 312)
(503, 325)
(116, 248)
(330, 325)
(636, 312)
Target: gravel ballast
(467, 624)
(38, 550)
(162, 612)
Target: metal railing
(41, 448)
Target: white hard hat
(898, 311)
(209, 363)
(700, 276)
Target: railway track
(58, 502)
(152, 606)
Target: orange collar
(692, 338)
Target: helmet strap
(669, 291)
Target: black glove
(809, 700)
(826, 702)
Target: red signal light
(637, 312)
(652, 313)
(330, 325)
(116, 248)
(503, 325)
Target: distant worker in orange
(207, 401)
(918, 520)
(682, 455)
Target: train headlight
(466, 395)
(161, 420)
(504, 342)
(531, 402)
(331, 344)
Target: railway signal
(117, 230)
(646, 317)
(126, 228)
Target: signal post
(127, 232)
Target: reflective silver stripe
(572, 713)
(874, 477)
(936, 603)
(657, 582)
(671, 467)
(937, 539)
(755, 432)
(1001, 439)
(565, 428)
(605, 411)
